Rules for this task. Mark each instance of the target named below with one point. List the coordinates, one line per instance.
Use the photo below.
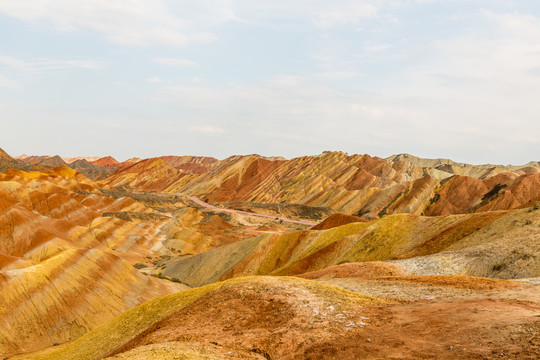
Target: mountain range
(320, 257)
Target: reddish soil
(460, 282)
(107, 161)
(375, 269)
(192, 164)
(288, 324)
(213, 223)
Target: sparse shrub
(528, 222)
(499, 266)
(139, 266)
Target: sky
(456, 79)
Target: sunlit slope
(191, 164)
(42, 214)
(159, 173)
(62, 298)
(477, 171)
(507, 248)
(136, 326)
(64, 268)
(149, 174)
(363, 185)
(454, 238)
(357, 184)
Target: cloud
(9, 83)
(41, 65)
(339, 13)
(175, 62)
(157, 80)
(494, 69)
(125, 22)
(337, 75)
(208, 129)
(321, 14)
(295, 115)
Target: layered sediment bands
(129, 162)
(7, 162)
(453, 168)
(60, 299)
(75, 255)
(450, 245)
(336, 220)
(108, 162)
(81, 165)
(501, 192)
(43, 215)
(366, 186)
(64, 268)
(251, 294)
(191, 164)
(360, 185)
(149, 174)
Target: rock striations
(361, 185)
(319, 257)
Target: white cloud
(302, 116)
(9, 83)
(125, 22)
(40, 65)
(157, 80)
(497, 68)
(208, 129)
(322, 14)
(338, 13)
(337, 75)
(175, 62)
(198, 80)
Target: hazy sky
(457, 79)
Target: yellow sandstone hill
(64, 268)
(485, 244)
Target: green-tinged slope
(106, 338)
(392, 237)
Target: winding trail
(208, 206)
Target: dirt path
(208, 206)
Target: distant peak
(5, 155)
(107, 161)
